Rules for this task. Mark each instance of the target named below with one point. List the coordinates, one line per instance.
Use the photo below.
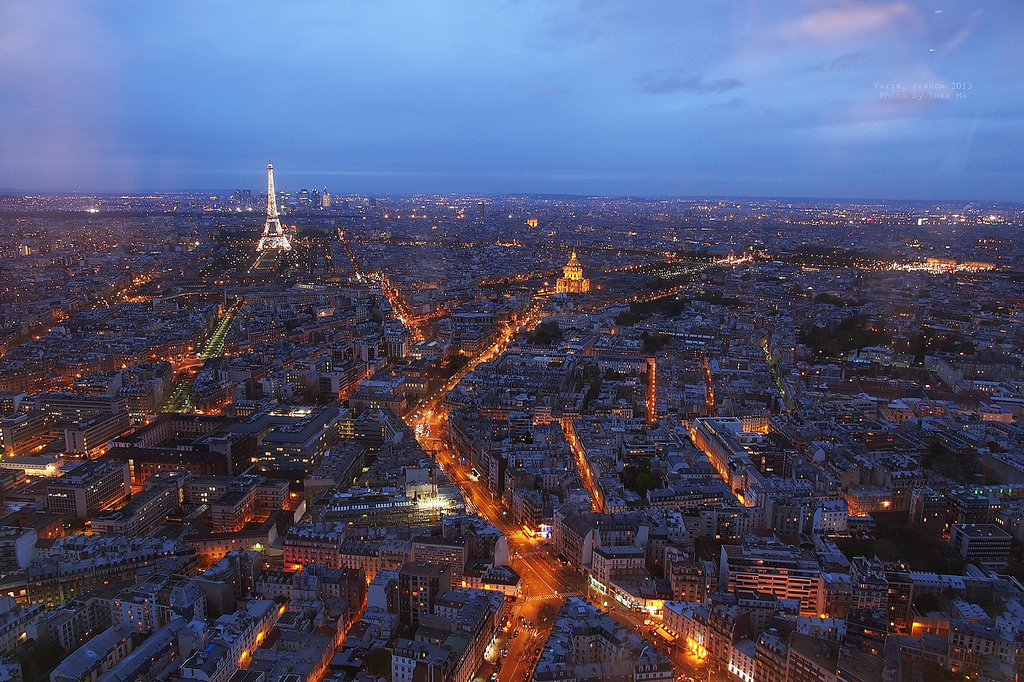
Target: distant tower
(573, 282)
(273, 234)
(480, 210)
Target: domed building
(573, 282)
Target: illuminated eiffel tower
(274, 238)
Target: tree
(852, 333)
(652, 344)
(638, 477)
(628, 319)
(927, 602)
(547, 611)
(593, 393)
(546, 332)
(378, 662)
(591, 376)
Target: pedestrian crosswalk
(560, 595)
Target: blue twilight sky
(642, 97)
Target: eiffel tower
(274, 238)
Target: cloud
(654, 84)
(966, 30)
(734, 103)
(697, 92)
(848, 20)
(843, 61)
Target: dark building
(418, 585)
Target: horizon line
(57, 193)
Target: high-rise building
(298, 443)
(418, 585)
(984, 543)
(442, 551)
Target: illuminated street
(512, 342)
(545, 582)
(215, 344)
(179, 400)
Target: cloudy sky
(813, 98)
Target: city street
(545, 582)
(652, 342)
(185, 373)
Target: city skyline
(556, 340)
(726, 99)
(325, 437)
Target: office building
(89, 488)
(418, 586)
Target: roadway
(186, 372)
(215, 344)
(545, 581)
